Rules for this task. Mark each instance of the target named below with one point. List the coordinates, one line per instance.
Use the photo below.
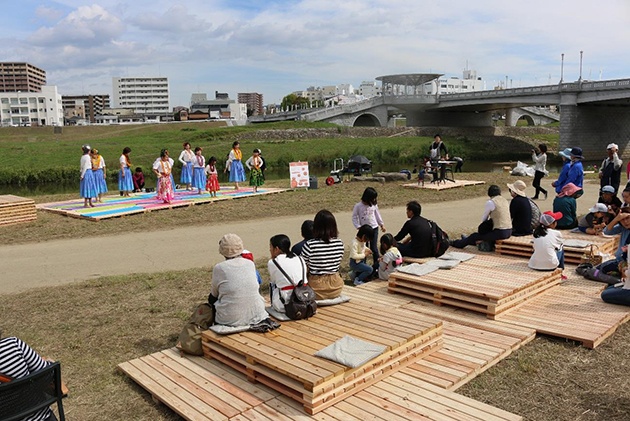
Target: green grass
(44, 157)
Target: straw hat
(230, 245)
(518, 187)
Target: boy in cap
(610, 199)
(593, 223)
(610, 171)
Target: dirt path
(63, 261)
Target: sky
(276, 46)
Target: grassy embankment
(92, 326)
(36, 155)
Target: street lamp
(581, 54)
(562, 69)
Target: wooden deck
(522, 246)
(16, 210)
(428, 185)
(202, 390)
(284, 360)
(117, 206)
(487, 284)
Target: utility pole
(562, 69)
(581, 53)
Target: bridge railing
(536, 90)
(344, 109)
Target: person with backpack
(415, 238)
(287, 273)
(496, 223)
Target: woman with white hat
(234, 292)
(520, 210)
(610, 171)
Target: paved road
(63, 261)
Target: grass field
(37, 155)
(339, 197)
(93, 326)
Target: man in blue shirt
(576, 171)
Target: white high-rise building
(453, 85)
(43, 108)
(146, 95)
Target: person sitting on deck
(419, 242)
(609, 198)
(619, 225)
(281, 288)
(323, 254)
(495, 222)
(520, 210)
(18, 360)
(307, 233)
(564, 173)
(548, 253)
(566, 204)
(595, 221)
(234, 291)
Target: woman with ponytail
(293, 266)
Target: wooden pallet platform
(522, 246)
(487, 284)
(284, 360)
(198, 389)
(469, 348)
(443, 186)
(16, 210)
(117, 206)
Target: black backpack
(301, 304)
(439, 240)
(535, 214)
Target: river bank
(47, 158)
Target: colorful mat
(117, 206)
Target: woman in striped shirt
(18, 360)
(323, 255)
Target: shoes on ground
(545, 196)
(357, 282)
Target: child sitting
(307, 234)
(138, 180)
(610, 199)
(593, 223)
(548, 253)
(358, 254)
(425, 171)
(391, 258)
(246, 254)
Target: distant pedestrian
(610, 171)
(540, 162)
(460, 163)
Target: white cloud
(88, 25)
(48, 13)
(175, 20)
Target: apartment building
(21, 77)
(253, 100)
(93, 105)
(31, 108)
(147, 95)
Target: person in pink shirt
(366, 213)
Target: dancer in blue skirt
(88, 186)
(125, 180)
(100, 174)
(186, 158)
(199, 171)
(237, 172)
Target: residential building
(329, 90)
(147, 95)
(93, 104)
(31, 108)
(119, 111)
(452, 85)
(253, 100)
(369, 89)
(197, 98)
(74, 109)
(219, 108)
(21, 77)
(345, 89)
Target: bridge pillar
(592, 127)
(449, 118)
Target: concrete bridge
(592, 114)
